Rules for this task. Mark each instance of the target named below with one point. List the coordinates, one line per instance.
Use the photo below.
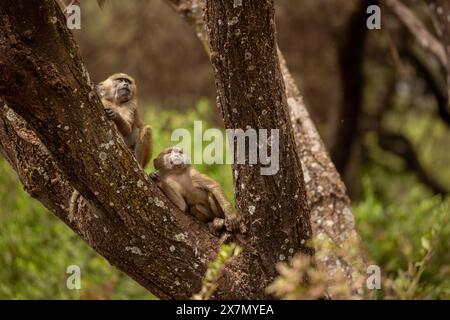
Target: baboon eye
(125, 80)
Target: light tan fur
(121, 107)
(194, 192)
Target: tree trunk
(129, 221)
(351, 57)
(331, 212)
(57, 137)
(251, 94)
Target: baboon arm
(124, 124)
(123, 118)
(201, 212)
(212, 187)
(170, 189)
(144, 147)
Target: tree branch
(351, 57)
(43, 180)
(434, 83)
(402, 147)
(396, 143)
(140, 246)
(441, 10)
(418, 30)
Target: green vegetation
(404, 228)
(407, 234)
(36, 248)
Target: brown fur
(124, 113)
(194, 192)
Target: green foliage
(212, 274)
(404, 227)
(36, 248)
(407, 236)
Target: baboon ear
(100, 90)
(158, 163)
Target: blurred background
(378, 100)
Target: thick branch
(251, 94)
(43, 180)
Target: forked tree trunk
(56, 135)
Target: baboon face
(119, 88)
(123, 91)
(171, 158)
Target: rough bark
(56, 135)
(331, 212)
(130, 222)
(126, 248)
(251, 94)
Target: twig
(402, 147)
(433, 83)
(418, 30)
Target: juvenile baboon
(194, 192)
(118, 94)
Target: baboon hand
(155, 177)
(111, 114)
(232, 221)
